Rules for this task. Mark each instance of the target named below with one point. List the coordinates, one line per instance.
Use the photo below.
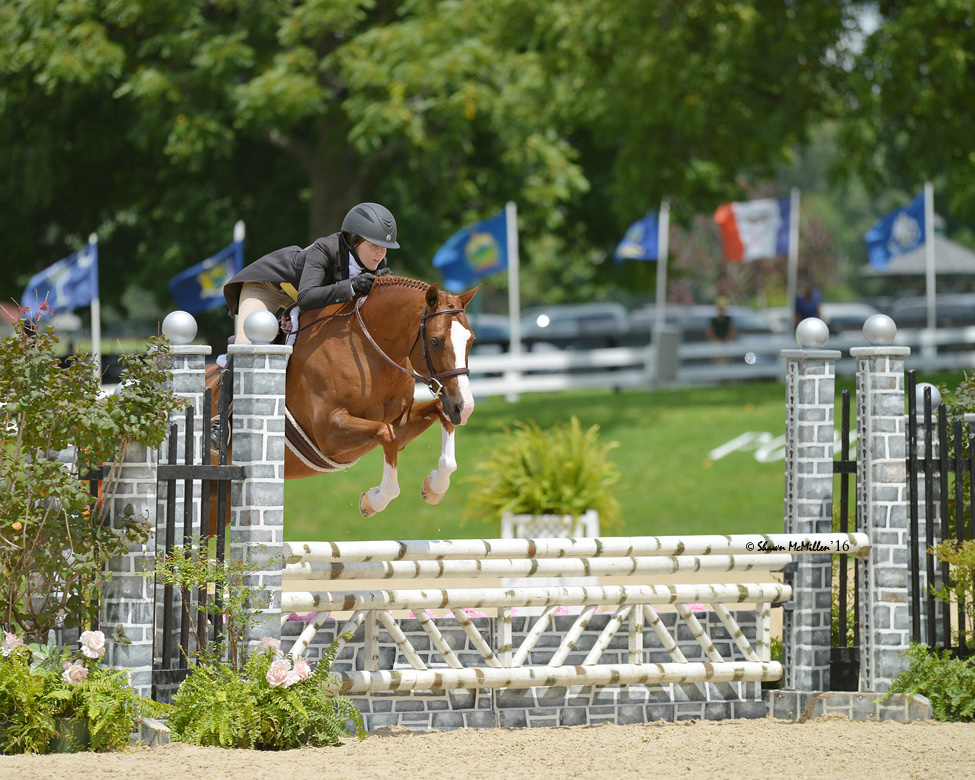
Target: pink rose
(302, 669)
(10, 643)
(74, 673)
(92, 644)
(270, 643)
(280, 674)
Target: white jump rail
(504, 665)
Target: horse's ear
(433, 295)
(465, 298)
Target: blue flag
(200, 288)
(68, 284)
(473, 253)
(896, 232)
(641, 240)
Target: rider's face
(370, 254)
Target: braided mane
(412, 284)
(401, 281)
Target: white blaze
(459, 337)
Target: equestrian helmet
(372, 222)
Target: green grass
(668, 486)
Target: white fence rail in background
(698, 364)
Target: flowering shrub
(44, 693)
(274, 703)
(54, 538)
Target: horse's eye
(437, 342)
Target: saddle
(286, 324)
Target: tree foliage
(909, 102)
(159, 123)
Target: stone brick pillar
(127, 600)
(188, 368)
(882, 506)
(809, 435)
(257, 513)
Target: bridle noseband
(432, 379)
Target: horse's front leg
(437, 481)
(377, 499)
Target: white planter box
(549, 526)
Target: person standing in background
(807, 304)
(721, 327)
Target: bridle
(432, 380)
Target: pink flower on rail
(74, 672)
(92, 644)
(302, 669)
(280, 674)
(270, 643)
(10, 643)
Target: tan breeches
(258, 296)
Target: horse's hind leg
(376, 499)
(437, 481)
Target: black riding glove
(384, 272)
(362, 283)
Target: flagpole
(792, 272)
(514, 292)
(238, 238)
(96, 317)
(663, 248)
(929, 254)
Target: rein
(432, 380)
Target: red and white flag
(754, 229)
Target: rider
(334, 269)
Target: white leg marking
(378, 498)
(439, 479)
(459, 337)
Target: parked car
(693, 320)
(492, 333)
(846, 315)
(952, 310)
(576, 325)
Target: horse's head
(445, 342)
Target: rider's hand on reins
(362, 284)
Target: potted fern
(547, 483)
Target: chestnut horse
(351, 379)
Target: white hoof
(428, 494)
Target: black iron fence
(184, 623)
(940, 472)
(845, 654)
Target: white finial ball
(879, 330)
(179, 327)
(812, 333)
(260, 327)
(919, 397)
